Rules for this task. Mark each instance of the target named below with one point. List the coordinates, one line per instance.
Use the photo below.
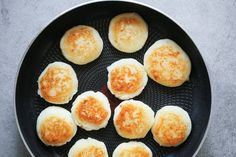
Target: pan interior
(194, 96)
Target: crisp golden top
(131, 120)
(81, 43)
(128, 32)
(168, 66)
(91, 151)
(80, 38)
(126, 29)
(126, 79)
(170, 129)
(54, 130)
(136, 151)
(91, 110)
(56, 85)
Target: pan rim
(91, 2)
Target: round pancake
(57, 83)
(81, 44)
(126, 78)
(91, 111)
(132, 149)
(88, 148)
(167, 64)
(55, 126)
(128, 32)
(172, 126)
(133, 119)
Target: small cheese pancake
(172, 126)
(128, 32)
(91, 111)
(81, 44)
(55, 126)
(126, 78)
(88, 148)
(133, 119)
(167, 64)
(132, 149)
(57, 83)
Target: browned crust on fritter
(170, 129)
(166, 61)
(62, 86)
(54, 130)
(130, 124)
(71, 38)
(118, 76)
(121, 25)
(91, 151)
(91, 110)
(134, 152)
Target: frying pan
(194, 96)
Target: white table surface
(211, 25)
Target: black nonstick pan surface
(194, 96)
